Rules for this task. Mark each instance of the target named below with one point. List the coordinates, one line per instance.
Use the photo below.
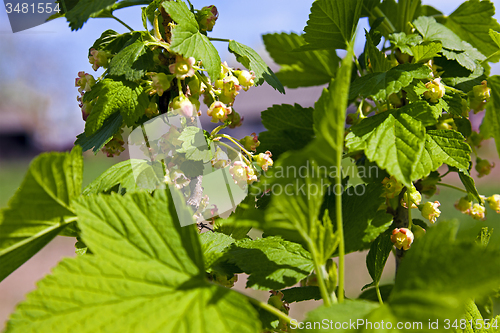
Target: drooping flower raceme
(402, 238)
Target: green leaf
(495, 36)
(405, 42)
(425, 51)
(381, 85)
(194, 144)
(394, 140)
(252, 60)
(332, 24)
(180, 13)
(103, 135)
(473, 315)
(440, 274)
(289, 127)
(299, 294)
(378, 255)
(125, 97)
(472, 22)
(490, 128)
(133, 61)
(40, 209)
(370, 294)
(453, 46)
(300, 69)
(433, 31)
(159, 265)
(347, 312)
(362, 221)
(85, 9)
(378, 59)
(113, 42)
(271, 262)
(469, 185)
(189, 42)
(123, 173)
(213, 246)
(443, 146)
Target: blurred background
(39, 112)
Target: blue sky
(49, 56)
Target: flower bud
(161, 82)
(264, 160)
(250, 142)
(206, 18)
(234, 119)
(220, 160)
(435, 90)
(475, 139)
(152, 110)
(218, 111)
(483, 167)
(392, 187)
(98, 59)
(414, 196)
(494, 202)
(182, 105)
(402, 238)
(463, 205)
(478, 212)
(430, 211)
(114, 146)
(86, 109)
(246, 79)
(479, 96)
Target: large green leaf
(271, 262)
(40, 209)
(213, 246)
(103, 135)
(394, 140)
(425, 51)
(378, 59)
(490, 128)
(189, 42)
(146, 275)
(252, 60)
(472, 22)
(132, 62)
(127, 98)
(125, 174)
(443, 147)
(454, 48)
(332, 24)
(300, 69)
(85, 9)
(381, 85)
(289, 127)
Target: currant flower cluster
(477, 210)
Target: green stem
(271, 309)
(156, 28)
(340, 234)
(225, 136)
(379, 296)
(220, 39)
(491, 56)
(358, 66)
(409, 203)
(237, 152)
(318, 268)
(453, 187)
(123, 23)
(216, 130)
(455, 90)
